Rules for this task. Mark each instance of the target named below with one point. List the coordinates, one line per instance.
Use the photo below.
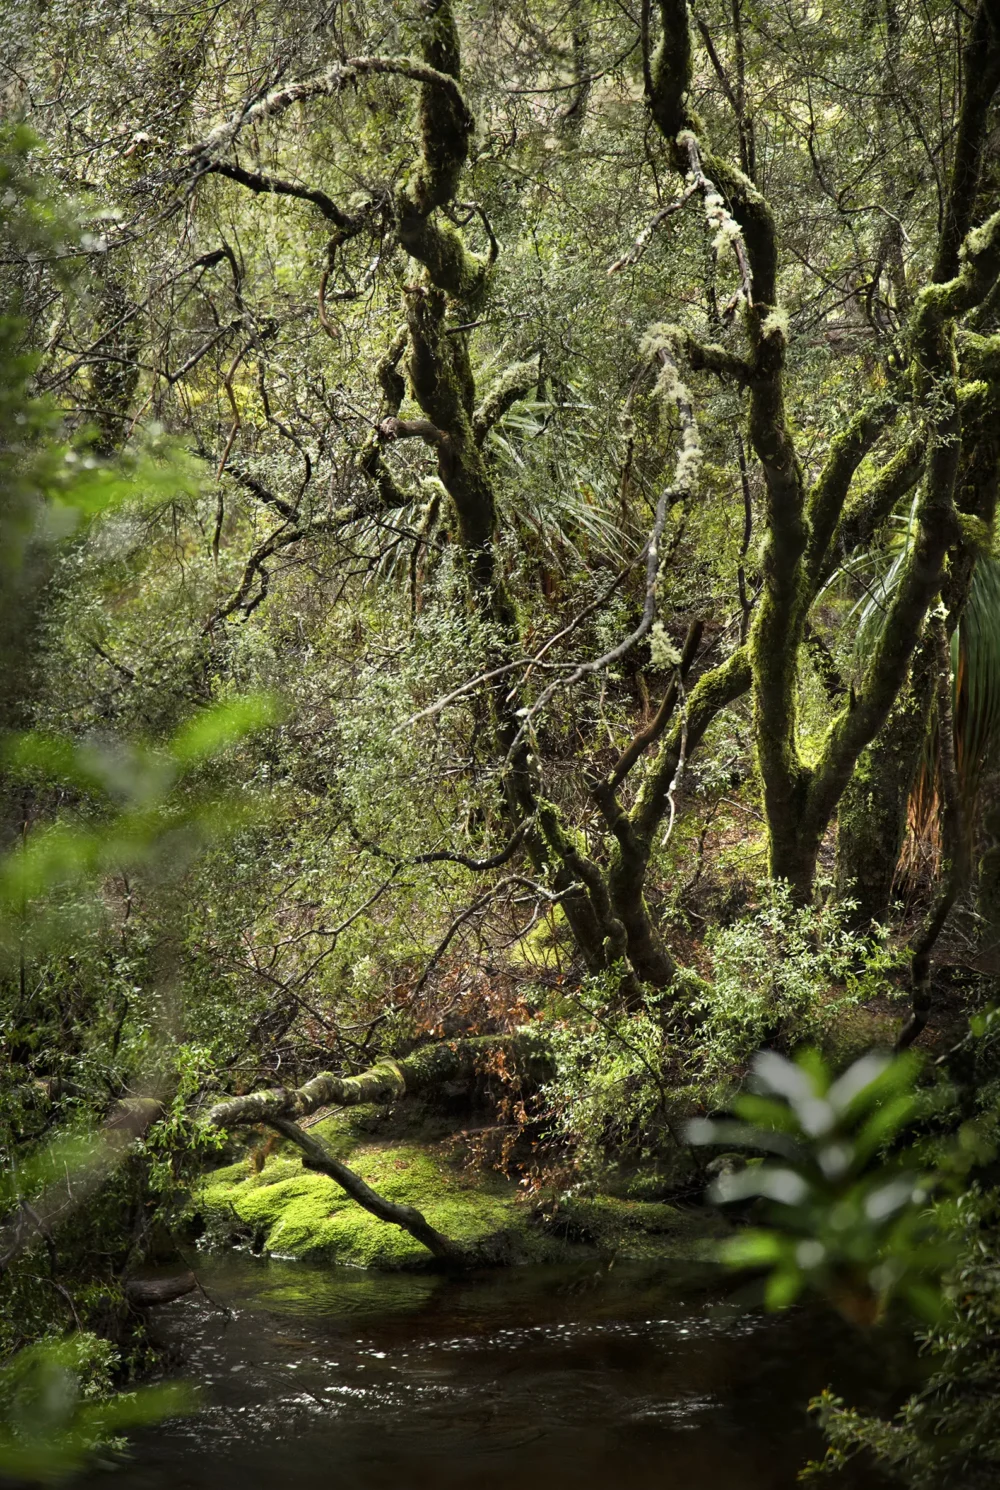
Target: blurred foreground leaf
(50, 1426)
(842, 1220)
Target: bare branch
(274, 185)
(644, 239)
(447, 856)
(553, 898)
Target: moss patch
(639, 1228)
(288, 1211)
(291, 1212)
(858, 1029)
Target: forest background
(499, 510)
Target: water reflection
(533, 1378)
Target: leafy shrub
(58, 1407)
(781, 977)
(610, 1090)
(948, 1432)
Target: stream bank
(268, 1202)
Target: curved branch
(274, 185)
(411, 429)
(709, 356)
(326, 84)
(981, 78)
(445, 125)
(263, 493)
(713, 692)
(829, 492)
(645, 238)
(512, 385)
(862, 520)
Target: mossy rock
(288, 1211)
(863, 1027)
(639, 1229)
(668, 1175)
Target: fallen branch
(317, 1157)
(149, 1293)
(386, 1081)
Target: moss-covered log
(456, 1061)
(387, 1080)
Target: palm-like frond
(975, 655)
(976, 673)
(556, 483)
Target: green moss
(542, 943)
(640, 1228)
(291, 1212)
(343, 1131)
(295, 1213)
(861, 1028)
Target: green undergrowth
(637, 1229)
(287, 1211)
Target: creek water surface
(626, 1379)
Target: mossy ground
(639, 1229)
(288, 1211)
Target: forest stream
(632, 1378)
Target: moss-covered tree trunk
(872, 820)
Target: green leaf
(215, 729)
(754, 1248)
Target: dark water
(523, 1379)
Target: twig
(681, 759)
(643, 240)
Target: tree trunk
(871, 825)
